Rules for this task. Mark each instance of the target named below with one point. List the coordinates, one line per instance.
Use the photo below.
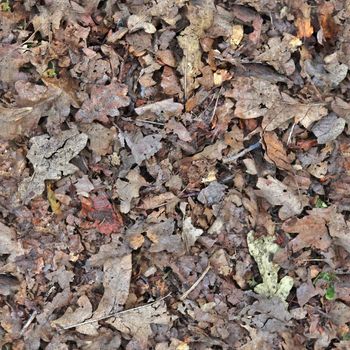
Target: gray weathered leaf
(50, 158)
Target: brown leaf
(166, 57)
(116, 283)
(137, 322)
(177, 128)
(276, 193)
(312, 231)
(276, 152)
(325, 16)
(169, 82)
(165, 108)
(105, 100)
(303, 22)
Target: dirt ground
(174, 174)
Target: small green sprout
(5, 6)
(329, 279)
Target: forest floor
(175, 174)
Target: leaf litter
(174, 175)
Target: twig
(29, 321)
(149, 122)
(242, 153)
(184, 295)
(115, 314)
(215, 106)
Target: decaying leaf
(276, 193)
(189, 233)
(201, 17)
(72, 317)
(9, 244)
(261, 250)
(51, 197)
(116, 283)
(303, 22)
(50, 158)
(276, 152)
(137, 323)
(143, 148)
(128, 190)
(100, 137)
(165, 108)
(328, 128)
(105, 100)
(312, 231)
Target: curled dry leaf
(276, 193)
(179, 129)
(212, 194)
(105, 100)
(303, 22)
(136, 23)
(50, 158)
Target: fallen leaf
(105, 100)
(276, 193)
(201, 17)
(50, 158)
(312, 231)
(276, 152)
(165, 108)
(137, 323)
(51, 197)
(10, 245)
(212, 194)
(339, 230)
(128, 190)
(303, 22)
(190, 234)
(328, 128)
(116, 283)
(261, 249)
(143, 148)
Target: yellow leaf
(54, 203)
(236, 36)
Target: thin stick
(29, 321)
(215, 106)
(149, 122)
(184, 295)
(116, 314)
(242, 153)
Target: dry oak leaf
(276, 193)
(312, 231)
(105, 100)
(169, 83)
(190, 234)
(50, 158)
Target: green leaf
(330, 293)
(325, 276)
(320, 203)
